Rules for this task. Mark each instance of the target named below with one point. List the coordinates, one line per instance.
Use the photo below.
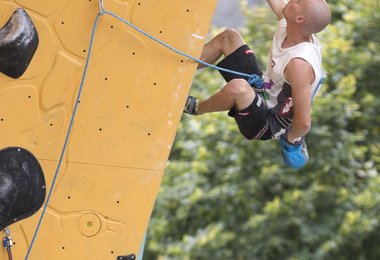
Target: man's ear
(300, 19)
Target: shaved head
(317, 14)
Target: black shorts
(253, 121)
(241, 60)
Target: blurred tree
(223, 196)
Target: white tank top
(277, 90)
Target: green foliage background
(225, 197)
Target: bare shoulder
(299, 70)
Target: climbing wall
(131, 104)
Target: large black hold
(22, 185)
(18, 43)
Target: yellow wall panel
(44, 8)
(131, 104)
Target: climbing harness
(252, 79)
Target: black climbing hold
(18, 43)
(22, 185)
(127, 257)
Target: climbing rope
(252, 79)
(66, 139)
